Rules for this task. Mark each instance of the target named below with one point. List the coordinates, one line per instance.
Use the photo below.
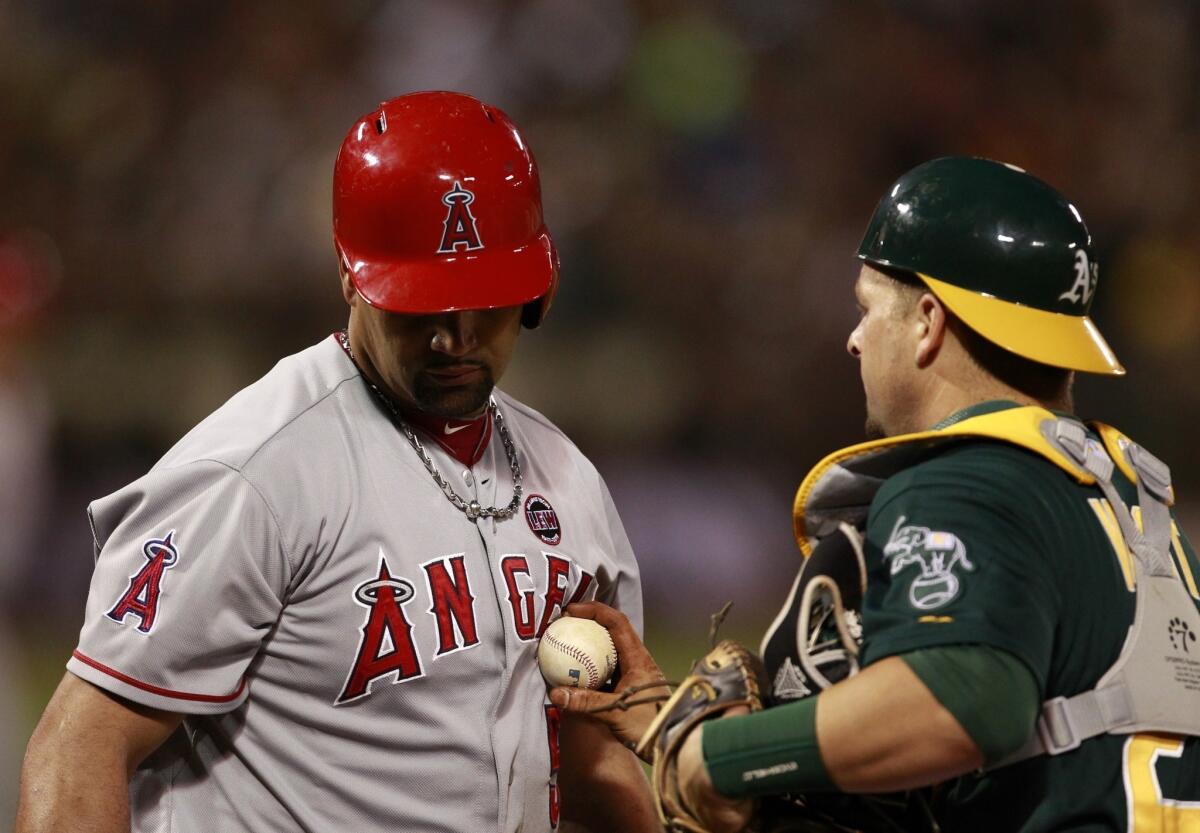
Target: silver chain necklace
(471, 509)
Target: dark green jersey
(985, 542)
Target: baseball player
(319, 610)
(1030, 609)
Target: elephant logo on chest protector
(937, 554)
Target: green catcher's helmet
(1004, 251)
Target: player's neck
(947, 399)
(465, 439)
(955, 381)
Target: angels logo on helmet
(459, 226)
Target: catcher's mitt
(729, 675)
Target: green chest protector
(1149, 687)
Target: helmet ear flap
(531, 314)
(534, 313)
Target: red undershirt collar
(463, 439)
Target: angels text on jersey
(388, 648)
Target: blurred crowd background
(708, 170)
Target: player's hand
(718, 813)
(635, 667)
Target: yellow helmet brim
(1053, 338)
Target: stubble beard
(457, 402)
(873, 429)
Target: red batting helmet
(437, 207)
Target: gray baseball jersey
(353, 652)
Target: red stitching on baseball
(577, 654)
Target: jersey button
(468, 478)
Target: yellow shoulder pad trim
(1020, 426)
(1115, 443)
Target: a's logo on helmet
(542, 519)
(460, 223)
(1086, 275)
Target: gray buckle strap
(1066, 722)
(1150, 545)
(1154, 548)
(1061, 731)
(1147, 559)
(1152, 472)
(1098, 462)
(1154, 496)
(1071, 437)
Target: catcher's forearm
(879, 731)
(913, 741)
(766, 753)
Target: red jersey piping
(153, 689)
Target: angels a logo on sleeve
(459, 226)
(936, 554)
(140, 599)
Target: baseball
(577, 653)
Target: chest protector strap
(1152, 686)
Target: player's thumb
(578, 700)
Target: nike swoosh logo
(450, 430)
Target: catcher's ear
(932, 319)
